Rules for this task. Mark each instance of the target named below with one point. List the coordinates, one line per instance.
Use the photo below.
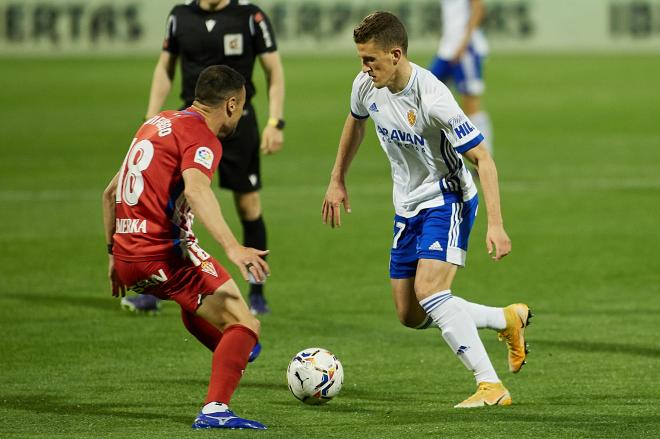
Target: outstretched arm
(272, 138)
(336, 195)
(205, 206)
(161, 83)
(496, 238)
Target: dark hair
(385, 29)
(216, 84)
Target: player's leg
(504, 320)
(211, 300)
(227, 311)
(488, 317)
(248, 206)
(510, 321)
(207, 334)
(442, 246)
(410, 313)
(403, 264)
(433, 290)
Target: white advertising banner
(84, 27)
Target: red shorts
(176, 279)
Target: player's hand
(497, 242)
(460, 52)
(249, 261)
(118, 287)
(272, 140)
(335, 196)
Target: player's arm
(272, 137)
(477, 13)
(205, 206)
(336, 195)
(118, 288)
(161, 83)
(496, 237)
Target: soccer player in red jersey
(235, 33)
(148, 214)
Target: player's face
(378, 63)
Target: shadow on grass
(92, 301)
(57, 406)
(187, 382)
(588, 421)
(601, 347)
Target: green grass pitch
(577, 144)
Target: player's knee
(424, 287)
(248, 213)
(248, 206)
(252, 323)
(433, 277)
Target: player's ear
(396, 54)
(231, 105)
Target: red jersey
(153, 219)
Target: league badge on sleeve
(204, 156)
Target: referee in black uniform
(234, 33)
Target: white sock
(460, 333)
(484, 316)
(482, 122)
(214, 407)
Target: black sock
(254, 235)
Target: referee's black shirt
(235, 35)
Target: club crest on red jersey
(207, 267)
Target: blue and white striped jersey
(423, 131)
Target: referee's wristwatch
(277, 123)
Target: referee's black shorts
(239, 168)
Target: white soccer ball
(315, 376)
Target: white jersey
(423, 131)
(455, 18)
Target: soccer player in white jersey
(425, 135)
(463, 48)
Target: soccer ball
(315, 376)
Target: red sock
(203, 331)
(229, 361)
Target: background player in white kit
(425, 135)
(463, 49)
